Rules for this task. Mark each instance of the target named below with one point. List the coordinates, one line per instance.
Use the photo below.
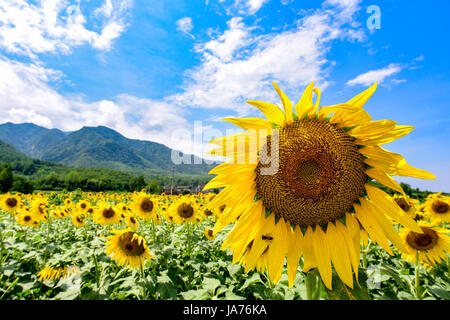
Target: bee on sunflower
(299, 182)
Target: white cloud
(27, 96)
(379, 75)
(185, 25)
(239, 64)
(57, 26)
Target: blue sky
(150, 69)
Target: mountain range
(90, 147)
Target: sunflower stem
(97, 278)
(309, 285)
(144, 293)
(189, 253)
(417, 277)
(153, 232)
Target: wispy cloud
(379, 75)
(185, 25)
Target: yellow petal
(305, 103)
(371, 225)
(384, 179)
(385, 225)
(250, 123)
(352, 250)
(322, 255)
(309, 260)
(388, 206)
(361, 99)
(294, 253)
(339, 254)
(287, 104)
(271, 111)
(277, 251)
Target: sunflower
(79, 219)
(437, 208)
(144, 206)
(49, 273)
(407, 204)
(27, 219)
(300, 182)
(209, 234)
(10, 203)
(83, 205)
(128, 248)
(106, 214)
(39, 208)
(432, 245)
(184, 211)
(131, 221)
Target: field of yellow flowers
(82, 245)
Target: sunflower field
(139, 246)
(302, 214)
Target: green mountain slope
(96, 147)
(30, 138)
(8, 153)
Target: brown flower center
(185, 210)
(26, 218)
(208, 213)
(130, 246)
(146, 205)
(319, 177)
(422, 241)
(108, 213)
(11, 202)
(403, 204)
(440, 206)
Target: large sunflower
(128, 248)
(300, 181)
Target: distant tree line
(28, 175)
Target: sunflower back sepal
(341, 291)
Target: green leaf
(439, 292)
(253, 279)
(233, 269)
(211, 285)
(342, 292)
(166, 288)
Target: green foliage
(6, 177)
(22, 185)
(138, 183)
